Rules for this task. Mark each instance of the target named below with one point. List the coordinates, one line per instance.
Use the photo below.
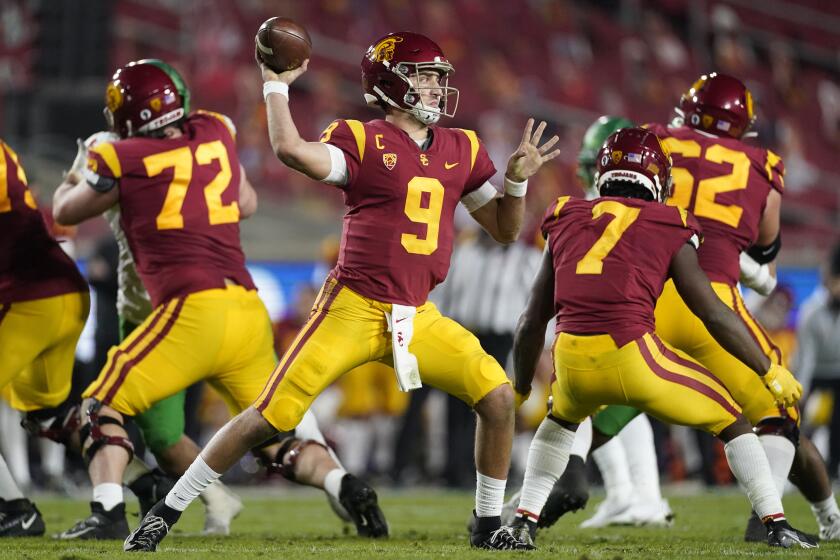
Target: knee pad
(93, 430)
(784, 426)
(287, 456)
(56, 424)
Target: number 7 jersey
(724, 183)
(401, 200)
(611, 258)
(179, 205)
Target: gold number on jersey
(623, 216)
(5, 200)
(707, 189)
(219, 213)
(429, 215)
(181, 161)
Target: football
(282, 44)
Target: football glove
(520, 398)
(784, 386)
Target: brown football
(283, 44)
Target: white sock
(615, 470)
(52, 457)
(332, 482)
(547, 459)
(780, 451)
(750, 466)
(197, 478)
(826, 511)
(637, 440)
(134, 470)
(109, 494)
(489, 496)
(583, 440)
(8, 487)
(308, 428)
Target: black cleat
(780, 533)
(100, 524)
(153, 528)
(755, 531)
(359, 499)
(490, 534)
(151, 488)
(570, 493)
(20, 518)
(524, 530)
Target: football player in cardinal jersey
(44, 303)
(402, 178)
(627, 464)
(176, 181)
(606, 263)
(734, 190)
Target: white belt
(401, 327)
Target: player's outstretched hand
(289, 76)
(783, 385)
(529, 156)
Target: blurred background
(564, 61)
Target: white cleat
(831, 532)
(221, 507)
(610, 512)
(651, 514)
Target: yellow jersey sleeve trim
(561, 202)
(226, 120)
(683, 215)
(109, 155)
(473, 138)
(358, 130)
(21, 174)
(773, 160)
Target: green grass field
(425, 524)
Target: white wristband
(275, 87)
(516, 189)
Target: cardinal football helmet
(718, 104)
(391, 71)
(635, 155)
(144, 96)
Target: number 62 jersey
(179, 205)
(724, 183)
(399, 225)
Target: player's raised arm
(77, 199)
(310, 158)
(529, 338)
(503, 216)
(727, 328)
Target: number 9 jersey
(724, 183)
(179, 205)
(399, 225)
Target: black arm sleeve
(766, 254)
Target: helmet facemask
(412, 102)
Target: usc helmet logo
(384, 49)
(113, 97)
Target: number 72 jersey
(179, 205)
(401, 200)
(724, 183)
(611, 258)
